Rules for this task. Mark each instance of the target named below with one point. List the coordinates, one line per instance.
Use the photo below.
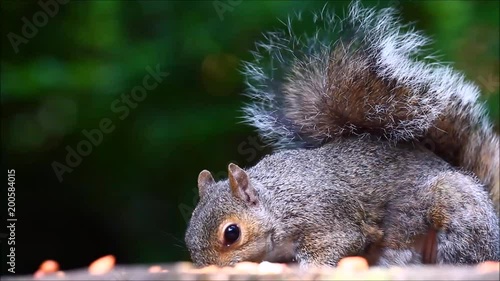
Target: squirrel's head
(228, 224)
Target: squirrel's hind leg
(459, 213)
(465, 220)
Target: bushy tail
(366, 74)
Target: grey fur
(365, 74)
(349, 108)
(375, 189)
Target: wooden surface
(184, 271)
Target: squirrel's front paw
(399, 257)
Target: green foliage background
(132, 194)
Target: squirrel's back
(364, 168)
(366, 74)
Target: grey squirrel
(375, 143)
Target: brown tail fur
(365, 75)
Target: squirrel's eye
(231, 234)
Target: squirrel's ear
(204, 180)
(240, 184)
